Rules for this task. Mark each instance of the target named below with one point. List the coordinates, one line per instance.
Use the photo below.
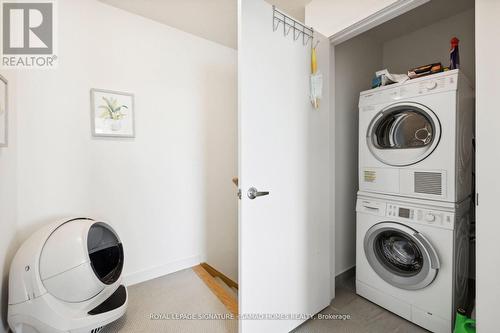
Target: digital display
(404, 212)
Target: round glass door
(403, 134)
(400, 255)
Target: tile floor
(365, 316)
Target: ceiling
(419, 17)
(294, 8)
(215, 20)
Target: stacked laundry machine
(414, 201)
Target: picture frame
(113, 113)
(4, 110)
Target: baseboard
(345, 276)
(155, 272)
(229, 301)
(344, 271)
(215, 273)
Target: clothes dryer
(416, 138)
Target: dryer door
(400, 255)
(403, 134)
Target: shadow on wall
(11, 249)
(220, 142)
(317, 188)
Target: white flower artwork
(112, 113)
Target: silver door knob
(254, 193)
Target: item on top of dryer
(376, 81)
(425, 70)
(454, 55)
(389, 78)
(67, 278)
(464, 324)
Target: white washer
(415, 138)
(412, 257)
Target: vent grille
(429, 183)
(96, 330)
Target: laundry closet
(418, 37)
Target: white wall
(488, 159)
(163, 191)
(432, 44)
(221, 141)
(353, 73)
(8, 201)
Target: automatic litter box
(67, 278)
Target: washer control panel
(420, 215)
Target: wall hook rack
(290, 24)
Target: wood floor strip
(216, 273)
(229, 301)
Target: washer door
(403, 134)
(400, 255)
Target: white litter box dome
(67, 278)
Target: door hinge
(239, 193)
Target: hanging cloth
(316, 80)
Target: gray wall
(432, 44)
(355, 63)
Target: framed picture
(112, 113)
(3, 112)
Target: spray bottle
(464, 324)
(454, 56)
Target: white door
(284, 254)
(487, 162)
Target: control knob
(431, 85)
(430, 217)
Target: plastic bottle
(463, 324)
(454, 56)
